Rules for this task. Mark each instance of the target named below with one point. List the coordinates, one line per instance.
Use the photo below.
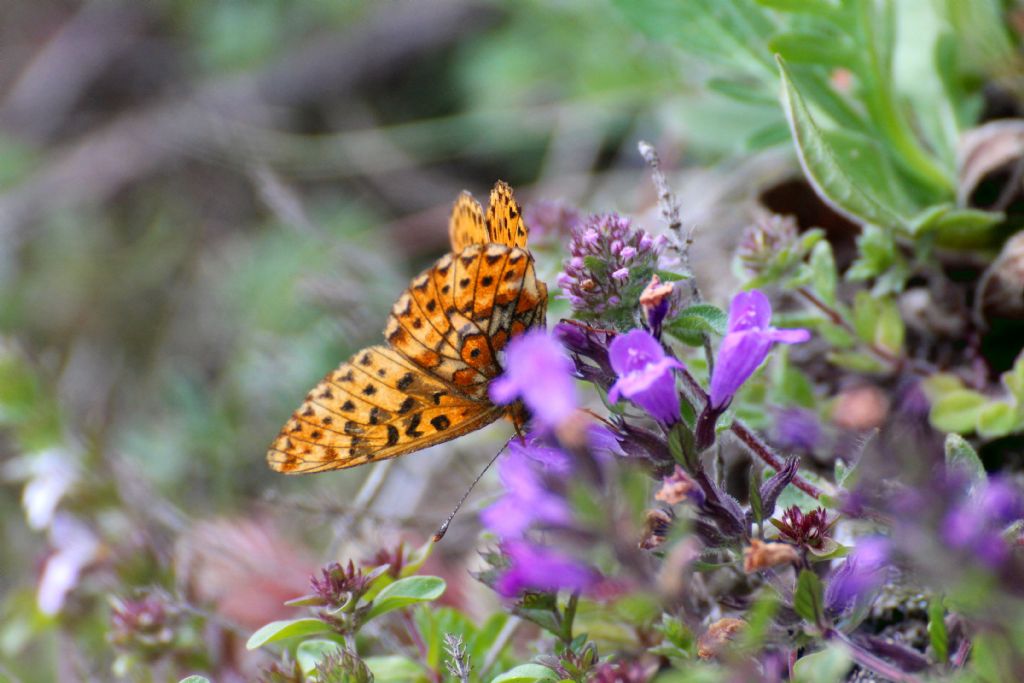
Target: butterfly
(428, 384)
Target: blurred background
(205, 206)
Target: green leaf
(1013, 380)
(807, 600)
(955, 227)
(823, 166)
(890, 330)
(812, 48)
(997, 418)
(286, 628)
(823, 272)
(820, 7)
(937, 630)
(192, 679)
(957, 411)
(405, 592)
(697, 320)
(827, 666)
(309, 653)
(830, 550)
(960, 455)
(394, 669)
(858, 362)
(525, 673)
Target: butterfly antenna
(443, 529)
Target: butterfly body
(429, 384)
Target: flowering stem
(751, 440)
(669, 206)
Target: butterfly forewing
(444, 333)
(504, 220)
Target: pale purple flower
(645, 374)
(75, 548)
(533, 567)
(526, 500)
(746, 344)
(48, 476)
(608, 258)
(862, 572)
(538, 371)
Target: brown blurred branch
(135, 145)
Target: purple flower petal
(537, 371)
(645, 375)
(746, 345)
(749, 310)
(794, 336)
(537, 568)
(739, 355)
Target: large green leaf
(846, 184)
(405, 592)
(394, 669)
(286, 628)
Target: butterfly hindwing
(466, 225)
(375, 406)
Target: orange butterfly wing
(429, 385)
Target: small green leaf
(957, 411)
(937, 630)
(525, 673)
(823, 272)
(890, 329)
(820, 7)
(811, 48)
(697, 320)
(996, 419)
(960, 455)
(405, 592)
(393, 669)
(827, 666)
(857, 362)
(286, 628)
(1013, 380)
(830, 550)
(807, 600)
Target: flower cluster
(610, 263)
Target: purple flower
(862, 572)
(976, 523)
(645, 375)
(797, 429)
(537, 371)
(533, 567)
(526, 499)
(746, 344)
